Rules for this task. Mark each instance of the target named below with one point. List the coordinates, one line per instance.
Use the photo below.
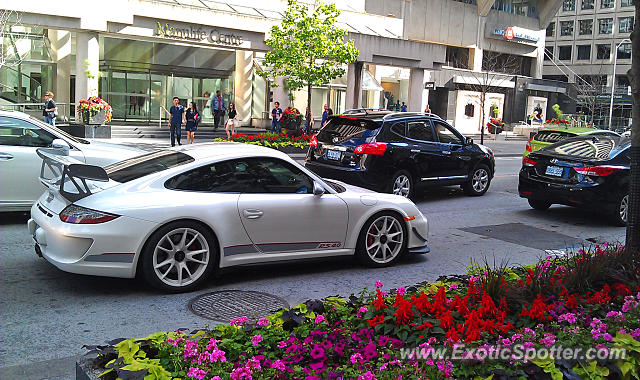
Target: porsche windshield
(137, 167)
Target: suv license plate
(555, 171)
(334, 155)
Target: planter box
(88, 131)
(97, 119)
(292, 149)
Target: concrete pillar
(354, 85)
(418, 96)
(61, 55)
(537, 64)
(242, 85)
(87, 65)
(280, 94)
(475, 59)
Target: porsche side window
(220, 177)
(16, 132)
(270, 175)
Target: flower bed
(482, 324)
(557, 122)
(272, 140)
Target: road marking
(505, 175)
(509, 158)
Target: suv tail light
(599, 171)
(528, 147)
(82, 215)
(526, 161)
(374, 148)
(313, 141)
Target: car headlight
(486, 149)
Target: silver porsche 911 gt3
(175, 215)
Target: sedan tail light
(599, 171)
(82, 215)
(528, 147)
(374, 148)
(313, 141)
(526, 161)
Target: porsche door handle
(5, 157)
(253, 214)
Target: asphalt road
(47, 315)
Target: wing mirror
(61, 146)
(468, 141)
(318, 189)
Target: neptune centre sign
(197, 34)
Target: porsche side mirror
(61, 146)
(468, 141)
(318, 189)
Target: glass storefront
(139, 79)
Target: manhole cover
(523, 234)
(225, 305)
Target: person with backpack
(193, 119)
(50, 111)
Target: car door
(455, 159)
(280, 212)
(19, 163)
(424, 149)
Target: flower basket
(292, 121)
(495, 126)
(94, 111)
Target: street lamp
(613, 81)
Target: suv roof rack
(359, 110)
(409, 114)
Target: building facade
(139, 54)
(583, 42)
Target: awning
(369, 82)
(493, 81)
(542, 87)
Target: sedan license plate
(555, 171)
(334, 155)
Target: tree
(307, 48)
(497, 69)
(589, 90)
(633, 212)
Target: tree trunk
(633, 213)
(482, 100)
(308, 102)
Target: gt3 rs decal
(280, 247)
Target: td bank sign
(199, 34)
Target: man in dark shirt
(276, 117)
(218, 108)
(176, 120)
(325, 115)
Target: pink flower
(238, 321)
(240, 373)
(567, 317)
(548, 340)
(279, 365)
(320, 319)
(607, 337)
(379, 285)
(356, 358)
(402, 290)
(453, 286)
(197, 373)
(367, 376)
(263, 322)
(216, 378)
(256, 339)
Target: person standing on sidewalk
(193, 118)
(176, 121)
(217, 105)
(325, 115)
(232, 123)
(50, 111)
(308, 122)
(276, 117)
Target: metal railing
(35, 109)
(160, 116)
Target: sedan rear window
(552, 136)
(341, 129)
(137, 167)
(598, 148)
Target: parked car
(175, 215)
(585, 171)
(398, 152)
(20, 136)
(548, 136)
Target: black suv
(396, 152)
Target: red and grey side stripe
(279, 247)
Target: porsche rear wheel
(179, 257)
(382, 241)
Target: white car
(20, 136)
(175, 215)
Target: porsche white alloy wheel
(181, 257)
(384, 239)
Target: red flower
(379, 302)
(373, 322)
(403, 311)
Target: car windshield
(137, 167)
(44, 125)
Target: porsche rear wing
(67, 170)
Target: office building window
(587, 4)
(586, 27)
(624, 51)
(605, 26)
(568, 5)
(564, 53)
(548, 53)
(625, 24)
(584, 52)
(626, 3)
(603, 51)
(604, 4)
(566, 28)
(551, 29)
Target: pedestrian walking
(325, 115)
(232, 123)
(133, 101)
(176, 120)
(427, 109)
(141, 102)
(193, 119)
(218, 109)
(308, 121)
(276, 118)
(403, 108)
(50, 111)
